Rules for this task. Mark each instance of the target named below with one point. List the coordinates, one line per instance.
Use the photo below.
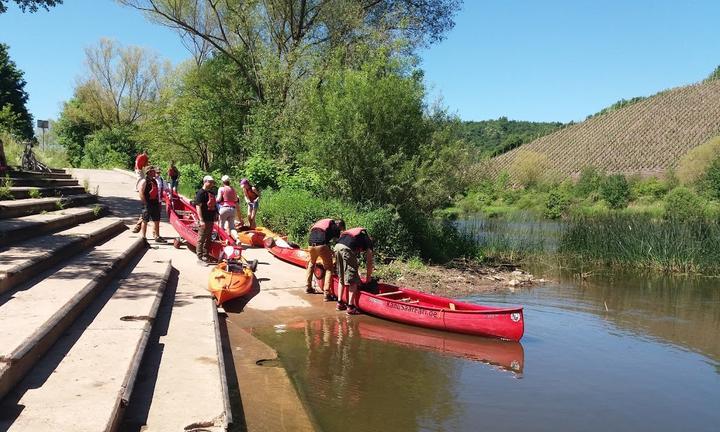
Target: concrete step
(89, 388)
(22, 192)
(182, 384)
(42, 182)
(37, 174)
(25, 207)
(22, 261)
(33, 318)
(14, 230)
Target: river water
(618, 351)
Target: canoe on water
(424, 310)
(183, 217)
(227, 284)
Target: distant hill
(494, 137)
(639, 136)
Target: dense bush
(694, 163)
(711, 179)
(110, 148)
(682, 205)
(589, 181)
(615, 190)
(557, 203)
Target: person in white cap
(227, 200)
(207, 211)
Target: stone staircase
(80, 299)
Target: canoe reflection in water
(501, 355)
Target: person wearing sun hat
(227, 200)
(206, 207)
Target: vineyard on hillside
(646, 137)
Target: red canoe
(425, 310)
(183, 217)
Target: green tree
(73, 129)
(30, 5)
(275, 45)
(615, 190)
(14, 115)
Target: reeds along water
(624, 240)
(641, 241)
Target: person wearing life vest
(150, 194)
(174, 176)
(321, 234)
(206, 207)
(252, 198)
(141, 161)
(350, 244)
(227, 200)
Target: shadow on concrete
(10, 408)
(137, 411)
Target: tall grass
(641, 241)
(52, 155)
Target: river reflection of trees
(386, 376)
(682, 310)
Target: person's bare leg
(156, 229)
(352, 295)
(143, 229)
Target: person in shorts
(252, 198)
(227, 200)
(347, 267)
(174, 175)
(150, 193)
(321, 234)
(206, 207)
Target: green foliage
(638, 240)
(73, 130)
(190, 179)
(5, 185)
(557, 203)
(694, 163)
(14, 116)
(682, 204)
(615, 190)
(530, 168)
(711, 179)
(494, 137)
(34, 193)
(714, 75)
(589, 181)
(111, 148)
(262, 171)
(651, 187)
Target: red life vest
(354, 232)
(322, 225)
(151, 190)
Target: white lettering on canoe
(413, 309)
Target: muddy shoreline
(459, 278)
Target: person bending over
(350, 244)
(321, 234)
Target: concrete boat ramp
(100, 331)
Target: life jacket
(250, 194)
(211, 203)
(228, 196)
(354, 232)
(141, 161)
(173, 172)
(151, 190)
(322, 225)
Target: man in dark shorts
(150, 197)
(206, 207)
(351, 243)
(321, 234)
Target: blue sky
(554, 60)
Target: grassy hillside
(646, 136)
(494, 137)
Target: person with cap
(350, 244)
(227, 200)
(321, 234)
(206, 207)
(150, 194)
(252, 198)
